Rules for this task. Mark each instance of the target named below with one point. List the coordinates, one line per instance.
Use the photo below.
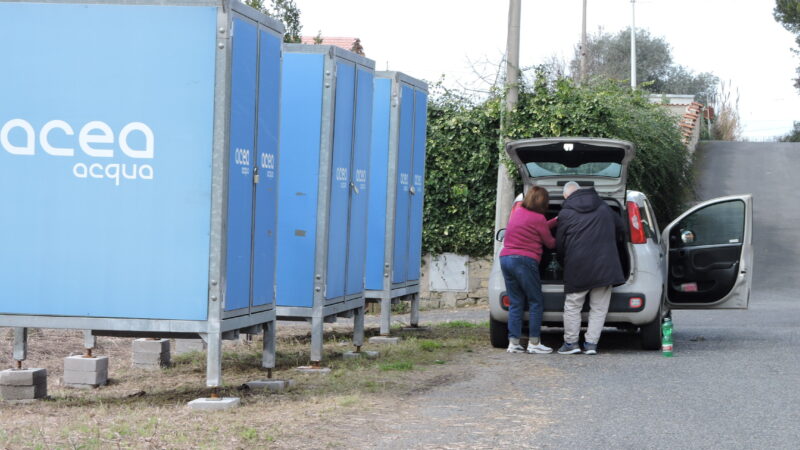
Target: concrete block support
(384, 340)
(82, 372)
(362, 354)
(23, 384)
(151, 353)
(271, 385)
(214, 404)
(313, 370)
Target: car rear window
(595, 169)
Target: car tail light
(635, 302)
(637, 228)
(506, 301)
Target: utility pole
(584, 53)
(633, 44)
(505, 186)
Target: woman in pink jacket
(528, 230)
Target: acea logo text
(95, 139)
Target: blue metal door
(300, 139)
(378, 174)
(357, 234)
(241, 158)
(418, 186)
(405, 144)
(340, 179)
(264, 233)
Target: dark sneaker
(569, 348)
(589, 348)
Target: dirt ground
(403, 399)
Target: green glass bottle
(666, 337)
(553, 271)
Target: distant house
(688, 112)
(352, 44)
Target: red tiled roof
(689, 121)
(351, 44)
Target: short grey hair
(570, 187)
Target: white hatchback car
(702, 260)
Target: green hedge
(460, 174)
(464, 141)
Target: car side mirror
(687, 236)
(501, 234)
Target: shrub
(792, 136)
(460, 174)
(464, 144)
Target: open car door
(710, 255)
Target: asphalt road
(734, 381)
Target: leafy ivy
(464, 143)
(461, 173)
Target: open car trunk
(555, 275)
(591, 162)
(551, 162)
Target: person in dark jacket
(586, 239)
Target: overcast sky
(464, 40)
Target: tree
(794, 135)
(680, 80)
(787, 13)
(609, 57)
(284, 10)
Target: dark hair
(537, 199)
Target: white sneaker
(539, 348)
(515, 348)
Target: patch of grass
(350, 400)
(398, 365)
(401, 308)
(122, 429)
(248, 434)
(429, 345)
(460, 324)
(189, 358)
(148, 409)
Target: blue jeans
(521, 274)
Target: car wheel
(651, 332)
(498, 333)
